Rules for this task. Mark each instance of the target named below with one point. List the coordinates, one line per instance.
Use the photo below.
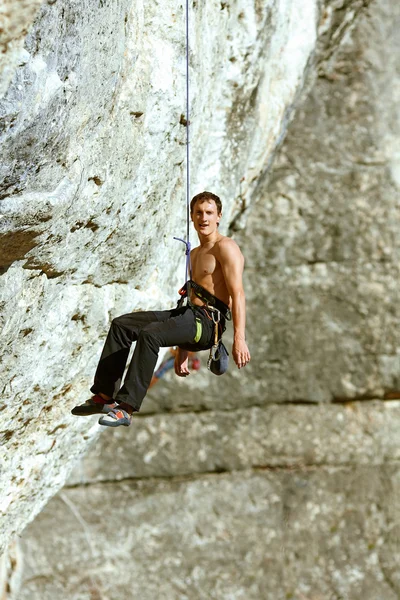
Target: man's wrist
(238, 337)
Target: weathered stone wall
(316, 533)
(281, 481)
(92, 185)
(15, 22)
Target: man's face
(205, 217)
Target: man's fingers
(243, 361)
(183, 373)
(241, 354)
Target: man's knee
(116, 322)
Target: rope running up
(188, 268)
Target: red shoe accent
(99, 400)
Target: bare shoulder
(228, 247)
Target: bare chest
(207, 271)
(205, 264)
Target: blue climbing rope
(188, 266)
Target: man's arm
(181, 363)
(232, 263)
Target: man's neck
(209, 239)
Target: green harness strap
(199, 330)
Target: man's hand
(181, 363)
(240, 353)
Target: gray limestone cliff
(281, 481)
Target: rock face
(92, 185)
(257, 534)
(244, 487)
(282, 481)
(15, 21)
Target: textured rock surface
(91, 186)
(330, 532)
(309, 505)
(16, 19)
(275, 436)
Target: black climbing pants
(151, 330)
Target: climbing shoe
(116, 417)
(93, 406)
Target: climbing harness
(210, 301)
(215, 308)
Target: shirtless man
(217, 266)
